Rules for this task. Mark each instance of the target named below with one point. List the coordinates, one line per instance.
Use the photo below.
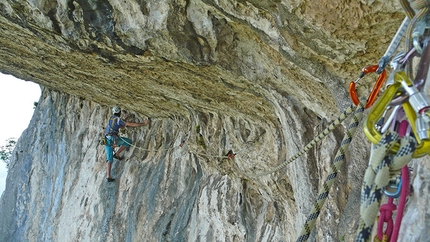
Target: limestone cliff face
(259, 78)
(164, 191)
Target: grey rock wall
(56, 187)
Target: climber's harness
(111, 136)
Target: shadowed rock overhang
(173, 57)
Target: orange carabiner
(372, 97)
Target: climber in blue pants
(114, 140)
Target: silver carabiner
(395, 42)
(390, 122)
(423, 72)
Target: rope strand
(311, 144)
(338, 161)
(383, 166)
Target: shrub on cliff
(7, 149)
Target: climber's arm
(131, 124)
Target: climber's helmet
(116, 110)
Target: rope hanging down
(383, 166)
(338, 161)
(311, 144)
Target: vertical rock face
(258, 78)
(56, 188)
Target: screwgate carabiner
(372, 97)
(381, 105)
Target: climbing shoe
(110, 179)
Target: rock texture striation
(261, 78)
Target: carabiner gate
(372, 97)
(378, 110)
(394, 188)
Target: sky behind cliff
(16, 103)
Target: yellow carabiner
(378, 110)
(423, 147)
